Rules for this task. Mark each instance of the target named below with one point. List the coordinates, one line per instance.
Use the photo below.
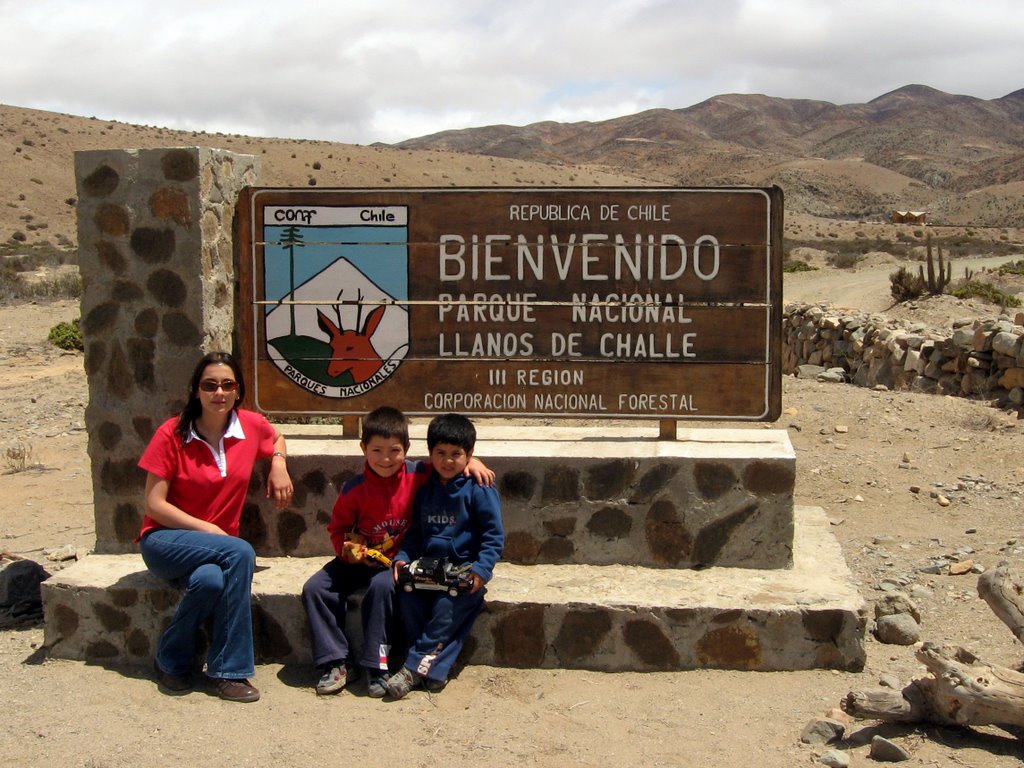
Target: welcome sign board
(659, 303)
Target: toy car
(380, 557)
(435, 573)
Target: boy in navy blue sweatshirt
(453, 518)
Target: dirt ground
(860, 455)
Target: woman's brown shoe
(172, 685)
(234, 690)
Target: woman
(199, 465)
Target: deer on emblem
(351, 350)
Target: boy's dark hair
(385, 422)
(451, 429)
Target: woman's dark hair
(193, 408)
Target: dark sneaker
(332, 680)
(434, 686)
(234, 690)
(172, 685)
(376, 683)
(400, 683)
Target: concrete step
(108, 608)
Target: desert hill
(38, 195)
(843, 168)
(833, 161)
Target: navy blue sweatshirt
(460, 520)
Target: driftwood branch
(963, 689)
(911, 705)
(1001, 588)
(971, 691)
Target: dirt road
(867, 286)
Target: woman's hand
(279, 483)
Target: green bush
(904, 285)
(797, 266)
(1012, 268)
(986, 291)
(67, 335)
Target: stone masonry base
(109, 609)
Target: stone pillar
(157, 263)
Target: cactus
(936, 283)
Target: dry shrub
(18, 457)
(844, 259)
(63, 285)
(12, 282)
(905, 285)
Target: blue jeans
(438, 626)
(216, 574)
(325, 598)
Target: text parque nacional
(590, 257)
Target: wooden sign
(578, 302)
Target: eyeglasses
(228, 385)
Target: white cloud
(363, 71)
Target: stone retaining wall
(581, 496)
(981, 358)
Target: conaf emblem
(339, 328)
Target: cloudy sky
(360, 71)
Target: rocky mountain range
(841, 167)
(915, 147)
